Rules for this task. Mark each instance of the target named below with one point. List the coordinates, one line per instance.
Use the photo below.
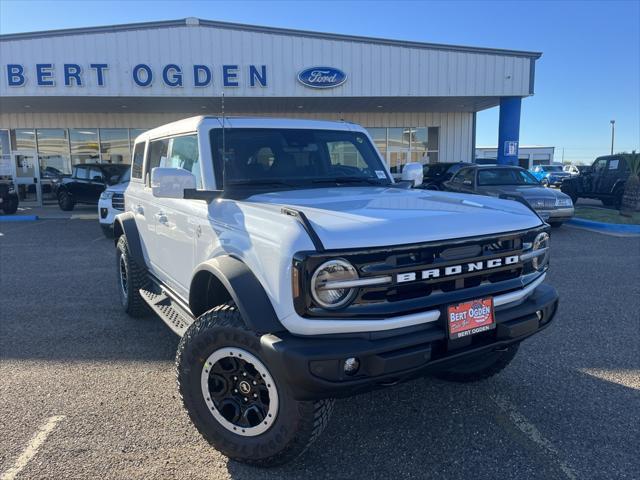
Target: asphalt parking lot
(102, 386)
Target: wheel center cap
(244, 387)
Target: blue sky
(589, 72)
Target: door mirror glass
(171, 182)
(412, 172)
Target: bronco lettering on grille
(457, 269)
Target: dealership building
(82, 95)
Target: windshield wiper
(370, 181)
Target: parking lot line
(530, 430)
(32, 448)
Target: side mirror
(97, 178)
(413, 173)
(467, 183)
(171, 182)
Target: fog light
(351, 365)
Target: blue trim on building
(509, 130)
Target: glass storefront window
(114, 145)
(53, 150)
(84, 145)
(134, 132)
(398, 148)
(23, 139)
(424, 145)
(379, 136)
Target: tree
(631, 196)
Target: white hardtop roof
(192, 124)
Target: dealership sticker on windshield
(380, 174)
(469, 318)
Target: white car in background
(111, 203)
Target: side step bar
(168, 309)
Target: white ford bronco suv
(296, 271)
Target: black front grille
(421, 292)
(117, 201)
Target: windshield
(116, 173)
(296, 158)
(505, 176)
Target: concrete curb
(605, 227)
(18, 218)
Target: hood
(118, 187)
(526, 191)
(558, 174)
(356, 217)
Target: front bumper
(557, 214)
(106, 212)
(312, 366)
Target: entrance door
(27, 178)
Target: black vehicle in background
(86, 183)
(604, 181)
(8, 197)
(438, 173)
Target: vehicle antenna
(224, 162)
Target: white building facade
(528, 155)
(82, 95)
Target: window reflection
(53, 150)
(114, 145)
(401, 145)
(23, 139)
(84, 145)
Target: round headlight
(325, 284)
(541, 241)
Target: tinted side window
(95, 174)
(158, 150)
(138, 160)
(184, 154)
(81, 173)
(599, 165)
(466, 174)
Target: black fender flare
(125, 224)
(243, 287)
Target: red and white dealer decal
(470, 317)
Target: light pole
(613, 133)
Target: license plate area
(470, 317)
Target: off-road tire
(131, 301)
(297, 423)
(65, 202)
(10, 205)
(480, 368)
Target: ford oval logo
(322, 77)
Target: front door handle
(140, 209)
(162, 218)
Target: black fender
(125, 224)
(242, 286)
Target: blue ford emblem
(322, 77)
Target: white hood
(352, 217)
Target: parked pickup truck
(296, 271)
